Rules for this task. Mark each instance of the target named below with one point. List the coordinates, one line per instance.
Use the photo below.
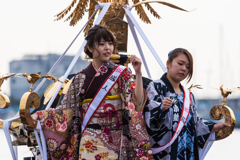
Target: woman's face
(178, 69)
(102, 51)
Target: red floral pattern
(49, 123)
(126, 75)
(70, 150)
(88, 144)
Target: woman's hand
(219, 126)
(166, 103)
(136, 63)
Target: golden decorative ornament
(51, 90)
(120, 30)
(4, 101)
(33, 78)
(194, 86)
(28, 100)
(218, 111)
(5, 77)
(14, 125)
(121, 59)
(116, 11)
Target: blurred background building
(33, 64)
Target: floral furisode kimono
(116, 129)
(161, 126)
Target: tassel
(117, 124)
(107, 131)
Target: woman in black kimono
(174, 129)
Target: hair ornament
(169, 53)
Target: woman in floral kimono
(112, 129)
(175, 131)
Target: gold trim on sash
(107, 98)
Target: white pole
(138, 45)
(129, 14)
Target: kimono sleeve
(135, 123)
(51, 118)
(61, 125)
(127, 86)
(153, 110)
(203, 127)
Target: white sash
(181, 122)
(102, 93)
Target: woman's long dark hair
(94, 36)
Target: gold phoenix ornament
(33, 78)
(113, 19)
(218, 111)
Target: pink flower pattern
(140, 152)
(131, 107)
(83, 91)
(103, 69)
(64, 126)
(138, 115)
(40, 113)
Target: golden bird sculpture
(5, 77)
(226, 92)
(33, 78)
(113, 19)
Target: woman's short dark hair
(95, 34)
(174, 53)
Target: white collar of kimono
(101, 94)
(181, 122)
